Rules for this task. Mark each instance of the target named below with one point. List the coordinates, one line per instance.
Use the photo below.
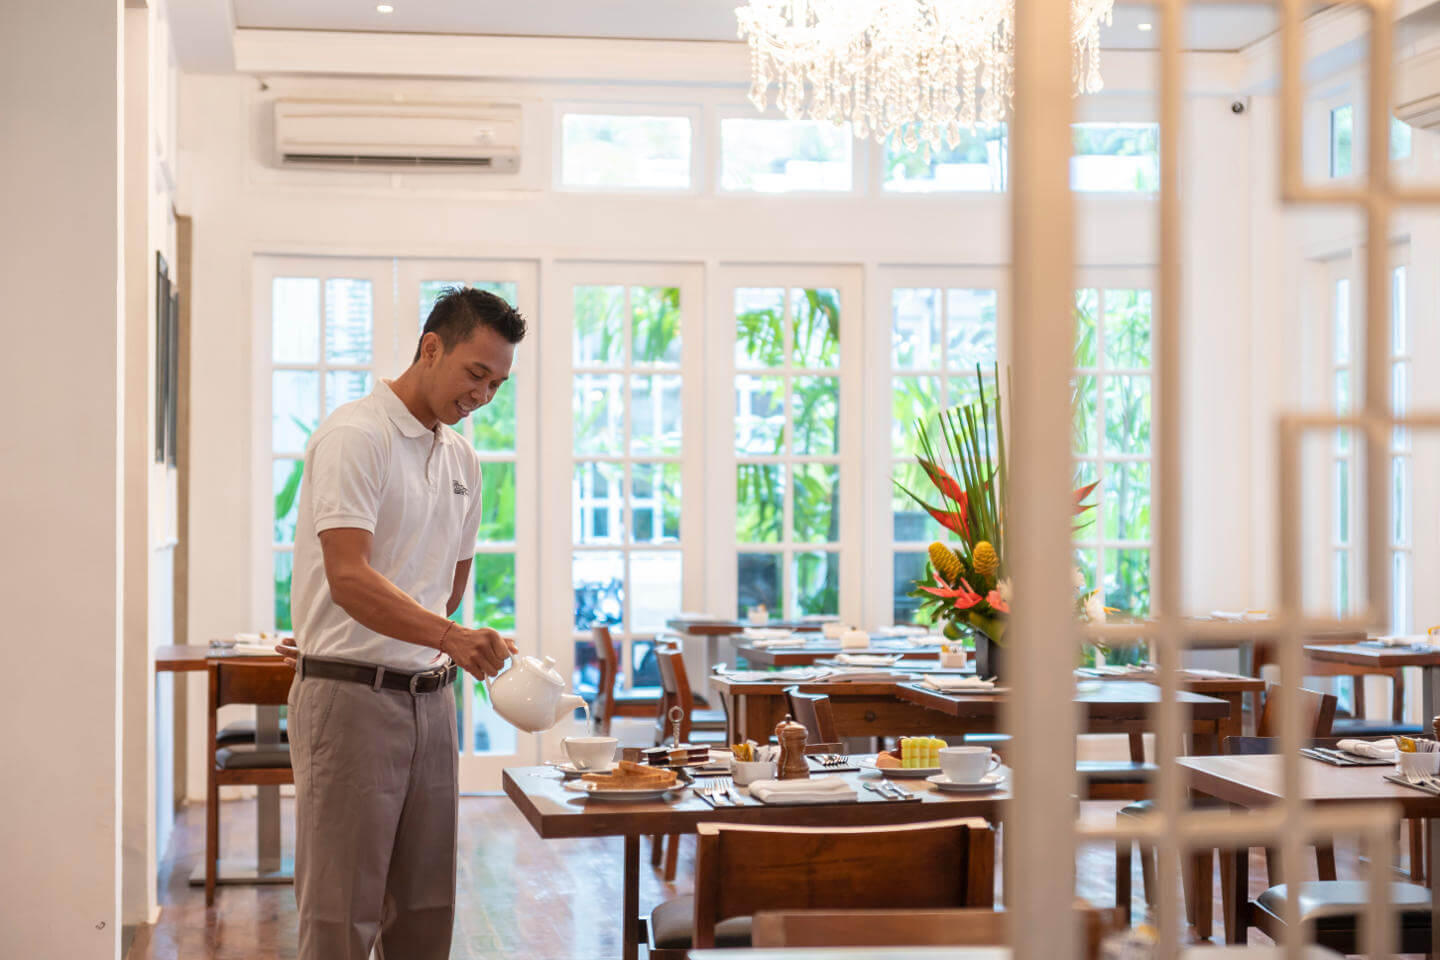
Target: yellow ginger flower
(946, 563)
(986, 560)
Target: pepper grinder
(1435, 727)
(792, 765)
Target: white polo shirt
(371, 465)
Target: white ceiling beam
(689, 62)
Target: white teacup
(967, 764)
(1417, 764)
(591, 753)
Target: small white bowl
(747, 772)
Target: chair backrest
(675, 683)
(963, 927)
(1317, 712)
(813, 711)
(1253, 746)
(263, 682)
(741, 869)
(609, 669)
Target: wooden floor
(518, 895)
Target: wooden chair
(610, 703)
(962, 927)
(1317, 711)
(696, 725)
(264, 683)
(812, 710)
(1330, 912)
(742, 869)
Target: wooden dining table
(270, 866)
(901, 707)
(1375, 657)
(556, 813)
(1255, 781)
(708, 632)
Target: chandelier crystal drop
(917, 70)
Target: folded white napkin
(953, 684)
(768, 633)
(256, 644)
(901, 630)
(779, 643)
(865, 659)
(1239, 616)
(1400, 641)
(819, 618)
(692, 615)
(1375, 750)
(861, 675)
(813, 790)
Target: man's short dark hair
(459, 310)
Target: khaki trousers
(376, 803)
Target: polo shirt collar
(399, 413)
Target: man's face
(466, 376)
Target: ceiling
(1210, 26)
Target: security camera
(1237, 106)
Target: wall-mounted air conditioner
(482, 137)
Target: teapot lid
(544, 668)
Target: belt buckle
(415, 679)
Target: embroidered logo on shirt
(461, 489)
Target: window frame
(722, 546)
(1102, 279)
(880, 458)
(613, 108)
(861, 154)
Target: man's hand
(287, 649)
(481, 653)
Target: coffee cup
(591, 753)
(967, 764)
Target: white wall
(60, 254)
(150, 83)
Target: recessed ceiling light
(384, 8)
(1143, 26)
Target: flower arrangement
(967, 582)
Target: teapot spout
(568, 704)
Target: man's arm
(377, 604)
(457, 589)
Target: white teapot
(531, 694)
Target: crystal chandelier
(918, 70)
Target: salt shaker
(792, 765)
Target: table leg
(630, 910)
(1429, 681)
(267, 820)
(1237, 912)
(1232, 726)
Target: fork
(716, 792)
(735, 798)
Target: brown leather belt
(426, 681)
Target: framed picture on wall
(167, 362)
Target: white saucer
(987, 783)
(570, 772)
(896, 773)
(587, 787)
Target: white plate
(619, 796)
(985, 784)
(897, 773)
(568, 768)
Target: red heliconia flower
(952, 520)
(995, 601)
(964, 597)
(944, 482)
(1081, 494)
